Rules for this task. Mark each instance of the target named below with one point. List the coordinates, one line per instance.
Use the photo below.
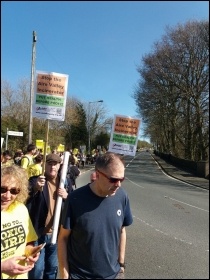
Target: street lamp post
(89, 122)
(32, 87)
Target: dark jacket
(72, 173)
(38, 202)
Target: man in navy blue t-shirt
(92, 238)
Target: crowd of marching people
(30, 189)
(33, 157)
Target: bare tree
(172, 94)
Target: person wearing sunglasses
(92, 237)
(17, 232)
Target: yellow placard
(60, 148)
(75, 151)
(40, 144)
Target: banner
(50, 96)
(124, 135)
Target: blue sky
(99, 44)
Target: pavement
(181, 174)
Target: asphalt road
(169, 238)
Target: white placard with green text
(50, 96)
(124, 135)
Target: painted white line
(134, 183)
(166, 234)
(186, 204)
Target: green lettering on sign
(125, 139)
(49, 100)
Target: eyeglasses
(111, 179)
(12, 191)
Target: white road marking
(134, 183)
(164, 233)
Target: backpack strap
(27, 159)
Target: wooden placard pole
(45, 147)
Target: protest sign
(50, 96)
(124, 135)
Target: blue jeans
(47, 265)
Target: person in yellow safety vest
(35, 169)
(28, 158)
